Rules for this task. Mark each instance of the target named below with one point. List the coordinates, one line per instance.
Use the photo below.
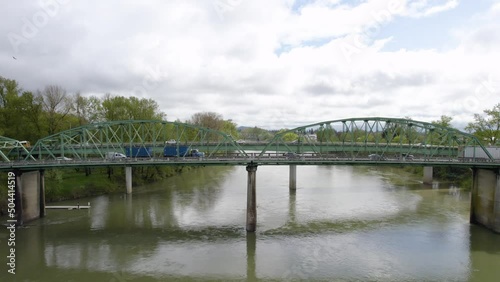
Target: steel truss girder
(11, 148)
(94, 141)
(360, 137)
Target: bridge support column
(29, 196)
(485, 198)
(128, 179)
(293, 177)
(251, 198)
(42, 193)
(428, 171)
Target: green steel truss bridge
(353, 141)
(12, 148)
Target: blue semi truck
(139, 152)
(181, 151)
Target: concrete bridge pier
(42, 193)
(293, 177)
(428, 172)
(485, 198)
(128, 179)
(29, 196)
(251, 198)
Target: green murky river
(341, 224)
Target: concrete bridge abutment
(485, 198)
(29, 196)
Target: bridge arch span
(96, 140)
(377, 138)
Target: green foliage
(487, 128)
(255, 134)
(216, 122)
(327, 134)
(229, 127)
(132, 108)
(290, 136)
(443, 121)
(87, 109)
(20, 112)
(208, 119)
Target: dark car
(376, 157)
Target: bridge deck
(243, 161)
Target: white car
(63, 159)
(171, 142)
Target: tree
(229, 127)
(216, 122)
(327, 134)
(56, 105)
(486, 128)
(256, 134)
(288, 136)
(132, 108)
(208, 119)
(87, 109)
(444, 121)
(20, 112)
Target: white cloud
(259, 62)
(424, 8)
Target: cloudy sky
(267, 63)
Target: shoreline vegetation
(460, 176)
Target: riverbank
(461, 177)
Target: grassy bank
(67, 184)
(461, 176)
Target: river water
(341, 224)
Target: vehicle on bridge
(63, 159)
(407, 157)
(475, 152)
(376, 157)
(139, 152)
(26, 144)
(181, 151)
(197, 153)
(115, 156)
